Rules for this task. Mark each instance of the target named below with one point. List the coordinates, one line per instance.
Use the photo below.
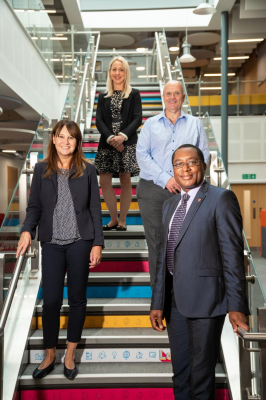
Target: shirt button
(77, 212)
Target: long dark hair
(78, 158)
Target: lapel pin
(199, 200)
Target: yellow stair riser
(133, 206)
(107, 321)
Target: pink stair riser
(108, 394)
(118, 191)
(122, 266)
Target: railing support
(2, 271)
(224, 106)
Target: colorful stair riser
(104, 266)
(109, 394)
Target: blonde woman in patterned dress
(118, 116)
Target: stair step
(125, 254)
(110, 374)
(110, 336)
(125, 306)
(121, 266)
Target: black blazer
(131, 114)
(86, 199)
(209, 275)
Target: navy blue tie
(174, 231)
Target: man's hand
(24, 243)
(172, 186)
(116, 141)
(95, 256)
(156, 320)
(238, 319)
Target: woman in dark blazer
(118, 116)
(65, 205)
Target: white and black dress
(109, 160)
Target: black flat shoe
(121, 228)
(42, 373)
(71, 373)
(108, 228)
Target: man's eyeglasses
(190, 163)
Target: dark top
(131, 114)
(86, 200)
(65, 227)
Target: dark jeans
(56, 260)
(151, 198)
(194, 345)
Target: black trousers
(56, 259)
(194, 345)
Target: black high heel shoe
(42, 373)
(71, 373)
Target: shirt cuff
(109, 138)
(122, 134)
(162, 179)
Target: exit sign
(248, 176)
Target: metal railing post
(237, 96)
(2, 271)
(1, 363)
(199, 87)
(262, 347)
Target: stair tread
(110, 301)
(117, 332)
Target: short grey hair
(175, 82)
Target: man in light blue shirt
(159, 138)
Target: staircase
(120, 356)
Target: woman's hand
(24, 243)
(95, 256)
(116, 141)
(120, 148)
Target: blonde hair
(127, 88)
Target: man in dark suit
(200, 275)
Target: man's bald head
(171, 83)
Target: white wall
(23, 68)
(246, 147)
(4, 163)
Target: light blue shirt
(158, 140)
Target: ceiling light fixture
(174, 48)
(9, 151)
(141, 49)
(58, 38)
(59, 34)
(232, 58)
(140, 68)
(31, 11)
(245, 40)
(18, 11)
(211, 88)
(44, 38)
(34, 37)
(229, 74)
(205, 9)
(147, 76)
(48, 11)
(186, 57)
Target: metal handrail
(251, 336)
(159, 54)
(4, 314)
(81, 94)
(11, 291)
(95, 56)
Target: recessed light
(9, 151)
(43, 38)
(140, 68)
(55, 59)
(211, 88)
(174, 48)
(229, 74)
(59, 34)
(18, 11)
(34, 37)
(147, 76)
(48, 11)
(58, 38)
(232, 58)
(245, 40)
(59, 76)
(141, 49)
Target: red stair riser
(118, 191)
(122, 266)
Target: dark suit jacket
(86, 199)
(131, 114)
(209, 277)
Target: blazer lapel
(198, 200)
(54, 180)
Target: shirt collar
(163, 116)
(192, 192)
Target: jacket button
(77, 212)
